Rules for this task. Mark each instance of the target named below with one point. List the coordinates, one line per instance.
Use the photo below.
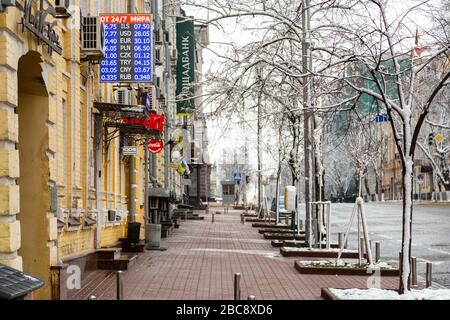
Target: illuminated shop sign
(154, 122)
(128, 48)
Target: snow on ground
(342, 264)
(382, 294)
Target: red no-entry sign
(155, 145)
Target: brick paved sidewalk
(203, 257)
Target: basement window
(89, 223)
(60, 225)
(73, 224)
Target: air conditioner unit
(92, 39)
(123, 96)
(62, 8)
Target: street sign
(382, 118)
(237, 177)
(155, 145)
(128, 48)
(438, 137)
(130, 151)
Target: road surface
(431, 233)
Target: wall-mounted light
(6, 3)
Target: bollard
(300, 225)
(119, 285)
(413, 272)
(207, 210)
(377, 251)
(251, 298)
(237, 286)
(340, 239)
(92, 298)
(428, 275)
(224, 210)
(212, 218)
(242, 218)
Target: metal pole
(119, 285)
(242, 218)
(340, 239)
(132, 187)
(413, 271)
(237, 286)
(146, 204)
(429, 275)
(212, 218)
(377, 251)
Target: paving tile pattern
(200, 263)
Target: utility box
(290, 195)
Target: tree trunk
(405, 263)
(366, 184)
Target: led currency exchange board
(128, 48)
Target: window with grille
(90, 33)
(158, 55)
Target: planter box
(304, 269)
(270, 225)
(295, 244)
(270, 230)
(276, 236)
(318, 254)
(258, 220)
(326, 293)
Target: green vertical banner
(185, 66)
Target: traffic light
(431, 139)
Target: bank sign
(185, 66)
(128, 48)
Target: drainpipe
(132, 214)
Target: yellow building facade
(62, 173)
